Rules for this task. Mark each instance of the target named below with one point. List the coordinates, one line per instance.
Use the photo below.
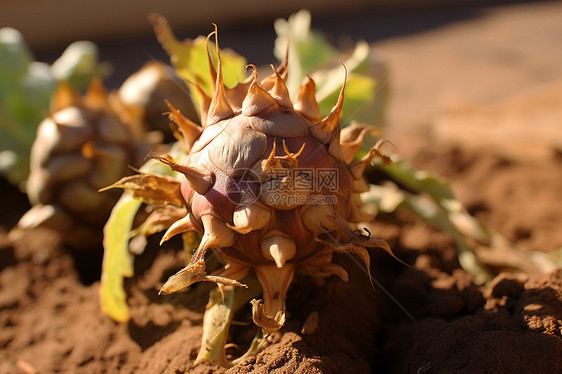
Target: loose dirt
(50, 318)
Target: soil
(51, 322)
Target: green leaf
(14, 57)
(216, 323)
(117, 263)
(117, 259)
(433, 200)
(218, 318)
(191, 62)
(439, 189)
(390, 198)
(26, 87)
(310, 53)
(308, 50)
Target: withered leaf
(152, 189)
(161, 219)
(269, 324)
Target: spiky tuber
(271, 186)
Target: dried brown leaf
(152, 189)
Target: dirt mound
(514, 326)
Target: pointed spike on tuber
(212, 69)
(271, 157)
(327, 128)
(335, 148)
(216, 235)
(279, 90)
(237, 94)
(281, 71)
(275, 283)
(325, 269)
(189, 130)
(257, 99)
(268, 82)
(337, 270)
(180, 226)
(261, 319)
(283, 68)
(382, 154)
(204, 105)
(320, 218)
(192, 273)
(339, 105)
(358, 167)
(64, 96)
(351, 139)
(311, 323)
(279, 255)
(278, 247)
(220, 108)
(265, 168)
(306, 103)
(151, 188)
(292, 158)
(382, 244)
(232, 270)
(293, 155)
(218, 74)
(250, 217)
(200, 179)
(355, 246)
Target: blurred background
(56, 23)
(440, 54)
